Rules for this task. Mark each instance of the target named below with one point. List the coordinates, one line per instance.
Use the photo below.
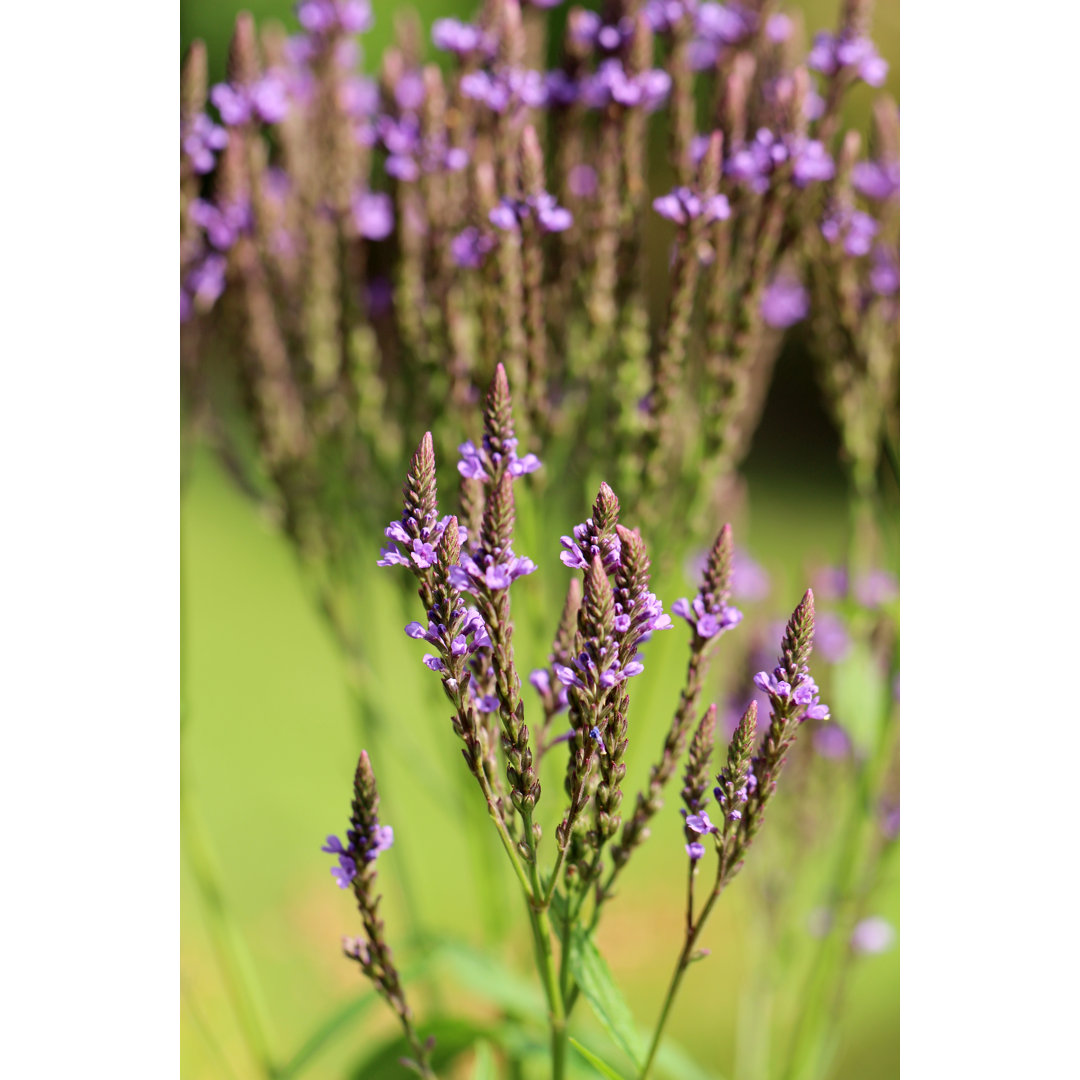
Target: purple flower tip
(696, 850)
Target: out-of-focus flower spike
(243, 63)
(193, 82)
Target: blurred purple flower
(683, 205)
(470, 247)
(784, 303)
(872, 935)
(832, 741)
(876, 180)
(831, 638)
(373, 214)
(749, 579)
(201, 142)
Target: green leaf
(592, 974)
(481, 973)
(484, 1062)
(601, 1066)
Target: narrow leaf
(592, 974)
(601, 1066)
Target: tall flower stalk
(465, 580)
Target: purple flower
(724, 25)
(876, 588)
(470, 247)
(884, 274)
(611, 84)
(778, 28)
(373, 214)
(706, 622)
(872, 935)
(749, 579)
(856, 228)
(205, 282)
(682, 205)
(321, 17)
(784, 303)
(594, 734)
(490, 574)
(414, 543)
(201, 142)
(832, 741)
(876, 180)
(222, 224)
(510, 213)
(754, 162)
(585, 545)
(830, 54)
(333, 845)
(461, 38)
(696, 850)
(831, 638)
(540, 679)
(811, 162)
(773, 685)
(700, 824)
(478, 464)
(345, 872)
(581, 181)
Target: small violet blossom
(872, 935)
(510, 213)
(322, 17)
(682, 206)
(706, 622)
(479, 464)
(373, 214)
(415, 551)
(805, 693)
(349, 858)
(784, 303)
(830, 55)
(201, 142)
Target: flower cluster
(683, 206)
(492, 456)
(804, 693)
(753, 163)
(491, 571)
(707, 620)
(785, 302)
(510, 214)
(266, 100)
(587, 544)
(832, 54)
(364, 847)
(414, 542)
(202, 140)
(472, 636)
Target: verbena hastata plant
(465, 567)
(359, 251)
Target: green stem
(693, 932)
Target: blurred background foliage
(272, 742)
